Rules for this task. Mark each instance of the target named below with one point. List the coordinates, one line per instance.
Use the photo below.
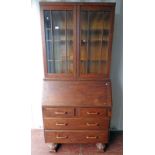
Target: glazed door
(95, 41)
(59, 41)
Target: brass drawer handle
(59, 137)
(60, 112)
(92, 113)
(92, 124)
(91, 137)
(61, 124)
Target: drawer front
(58, 112)
(93, 112)
(76, 123)
(75, 136)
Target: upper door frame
(58, 6)
(94, 6)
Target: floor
(115, 146)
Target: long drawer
(76, 136)
(76, 123)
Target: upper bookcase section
(77, 40)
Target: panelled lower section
(78, 121)
(77, 136)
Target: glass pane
(95, 28)
(69, 39)
(84, 42)
(59, 41)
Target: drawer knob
(60, 112)
(91, 137)
(61, 137)
(92, 113)
(106, 83)
(61, 124)
(92, 124)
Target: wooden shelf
(96, 31)
(93, 60)
(60, 30)
(104, 42)
(58, 60)
(60, 41)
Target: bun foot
(100, 147)
(52, 147)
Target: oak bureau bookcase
(77, 96)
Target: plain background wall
(116, 66)
(117, 69)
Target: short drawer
(93, 112)
(58, 112)
(76, 136)
(76, 123)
